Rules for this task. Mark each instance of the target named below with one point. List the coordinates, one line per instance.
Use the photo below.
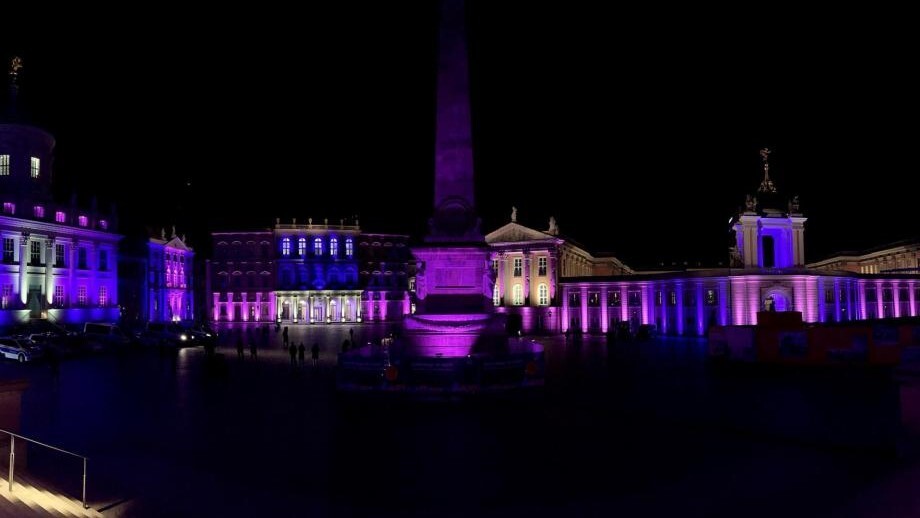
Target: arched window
(333, 247)
(349, 247)
(318, 246)
(543, 295)
(286, 246)
(496, 296)
(517, 295)
(302, 247)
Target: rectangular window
(887, 295)
(543, 295)
(7, 296)
(36, 167)
(82, 221)
(613, 298)
(302, 247)
(81, 258)
(333, 247)
(81, 295)
(38, 211)
(575, 299)
(635, 298)
(4, 165)
(103, 296)
(8, 247)
(286, 247)
(494, 265)
(58, 296)
(829, 296)
(59, 255)
(517, 266)
(541, 266)
(871, 295)
(672, 298)
(103, 260)
(317, 246)
(60, 217)
(36, 252)
(9, 208)
(594, 299)
(103, 224)
(349, 247)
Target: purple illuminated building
(767, 273)
(59, 260)
(169, 295)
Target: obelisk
(454, 217)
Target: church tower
(767, 234)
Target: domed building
(59, 260)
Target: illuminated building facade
(170, 269)
(768, 273)
(528, 264)
(309, 273)
(59, 261)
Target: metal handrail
(13, 437)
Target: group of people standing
(296, 351)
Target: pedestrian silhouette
(284, 336)
(314, 352)
(351, 334)
(239, 347)
(252, 351)
(293, 351)
(300, 352)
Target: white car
(19, 349)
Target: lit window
(286, 246)
(496, 296)
(59, 255)
(711, 297)
(83, 221)
(412, 284)
(302, 246)
(59, 295)
(517, 295)
(81, 295)
(7, 295)
(103, 296)
(541, 266)
(38, 211)
(494, 265)
(36, 167)
(543, 295)
(333, 247)
(4, 165)
(9, 208)
(60, 217)
(517, 266)
(613, 298)
(318, 246)
(635, 298)
(103, 224)
(349, 247)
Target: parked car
(168, 334)
(104, 336)
(20, 349)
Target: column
(551, 275)
(679, 288)
(328, 316)
(584, 309)
(295, 308)
(880, 299)
(244, 307)
(341, 308)
(500, 277)
(896, 296)
(605, 320)
(700, 309)
(23, 266)
(358, 303)
(49, 270)
(69, 299)
(565, 319)
(624, 304)
(912, 297)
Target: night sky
(638, 131)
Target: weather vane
(15, 67)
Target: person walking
(314, 352)
(293, 352)
(284, 337)
(239, 347)
(300, 353)
(253, 353)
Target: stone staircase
(30, 498)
